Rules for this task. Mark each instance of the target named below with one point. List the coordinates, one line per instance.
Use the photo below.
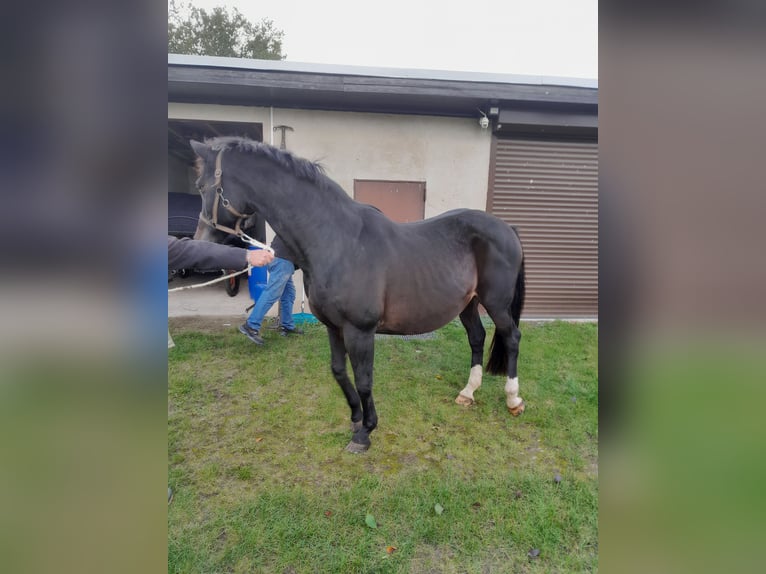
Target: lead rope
(254, 242)
(216, 280)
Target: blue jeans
(279, 287)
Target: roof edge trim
(347, 70)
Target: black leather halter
(218, 187)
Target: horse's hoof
(356, 448)
(356, 426)
(517, 410)
(465, 401)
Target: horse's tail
(517, 305)
(498, 352)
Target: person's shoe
(252, 334)
(284, 331)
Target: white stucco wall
(450, 154)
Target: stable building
(417, 143)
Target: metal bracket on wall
(283, 128)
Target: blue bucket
(257, 278)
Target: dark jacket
(204, 255)
(281, 250)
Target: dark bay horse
(366, 274)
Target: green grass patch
(262, 482)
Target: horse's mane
(302, 168)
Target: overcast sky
(537, 37)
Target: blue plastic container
(256, 281)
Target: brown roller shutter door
(549, 191)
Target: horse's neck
(308, 218)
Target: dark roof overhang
(229, 81)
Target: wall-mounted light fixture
(483, 120)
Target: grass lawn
(262, 483)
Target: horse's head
(219, 218)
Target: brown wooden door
(401, 201)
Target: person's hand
(259, 257)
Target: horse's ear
(201, 149)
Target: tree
(221, 32)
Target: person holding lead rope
(184, 253)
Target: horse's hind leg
(504, 354)
(472, 323)
(512, 399)
(338, 365)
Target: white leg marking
(512, 399)
(474, 382)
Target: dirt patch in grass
(206, 325)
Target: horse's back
(442, 240)
(466, 227)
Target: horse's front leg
(338, 366)
(360, 345)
